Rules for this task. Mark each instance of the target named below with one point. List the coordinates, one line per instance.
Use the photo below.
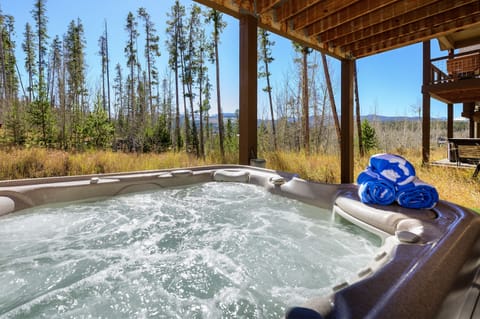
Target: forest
(138, 109)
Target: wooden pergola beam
(426, 103)
(449, 120)
(248, 89)
(346, 148)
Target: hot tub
(424, 267)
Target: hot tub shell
(427, 267)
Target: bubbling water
(215, 250)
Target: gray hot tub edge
(426, 268)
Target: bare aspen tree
(357, 112)
(332, 98)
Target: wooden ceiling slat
(320, 11)
(425, 33)
(245, 5)
(374, 18)
(265, 5)
(291, 8)
(418, 27)
(346, 37)
(468, 42)
(325, 21)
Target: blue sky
(389, 83)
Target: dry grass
(453, 184)
(37, 162)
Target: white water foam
(216, 250)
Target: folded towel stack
(390, 178)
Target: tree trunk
(357, 111)
(200, 105)
(332, 99)
(108, 72)
(305, 104)
(219, 105)
(178, 141)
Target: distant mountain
(383, 118)
(213, 119)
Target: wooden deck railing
(452, 68)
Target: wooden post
(468, 111)
(449, 120)
(248, 89)
(426, 104)
(346, 149)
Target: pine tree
(206, 106)
(40, 17)
(102, 43)
(30, 57)
(11, 109)
(152, 51)
(75, 73)
(369, 136)
(215, 17)
(98, 130)
(266, 58)
(305, 51)
(192, 67)
(107, 66)
(131, 55)
(174, 32)
(119, 104)
(8, 79)
(55, 68)
(202, 87)
(40, 112)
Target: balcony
(455, 78)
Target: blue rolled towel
(394, 168)
(417, 194)
(374, 189)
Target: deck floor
(446, 163)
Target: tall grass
(39, 162)
(453, 184)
